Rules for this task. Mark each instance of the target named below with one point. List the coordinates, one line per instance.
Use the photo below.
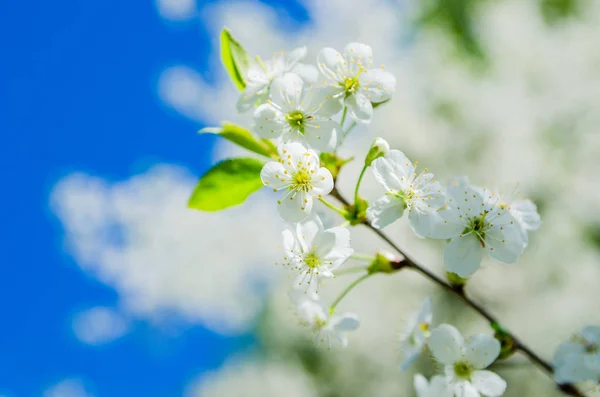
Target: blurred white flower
(296, 116)
(317, 317)
(315, 252)
(261, 75)
(298, 172)
(438, 387)
(464, 362)
(578, 359)
(475, 223)
(353, 82)
(415, 337)
(419, 193)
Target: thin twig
(459, 292)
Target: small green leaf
(234, 58)
(228, 183)
(244, 138)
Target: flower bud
(379, 148)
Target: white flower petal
(346, 322)
(525, 212)
(505, 243)
(330, 63)
(273, 175)
(446, 344)
(268, 121)
(444, 224)
(378, 84)
(359, 107)
(328, 100)
(308, 73)
(291, 89)
(385, 211)
(295, 56)
(463, 255)
(403, 167)
(308, 230)
(409, 355)
(439, 387)
(333, 245)
(488, 383)
(425, 314)
(421, 386)
(465, 389)
(322, 135)
(384, 172)
(354, 50)
(293, 153)
(254, 93)
(423, 223)
(295, 208)
(322, 182)
(481, 351)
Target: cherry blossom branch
(459, 291)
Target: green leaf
(234, 58)
(244, 138)
(228, 183)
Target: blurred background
(111, 287)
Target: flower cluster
(300, 120)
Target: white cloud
(267, 378)
(68, 388)
(176, 10)
(99, 325)
(139, 237)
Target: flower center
(302, 181)
(478, 225)
(312, 260)
(462, 370)
(350, 85)
(319, 323)
(424, 327)
(297, 120)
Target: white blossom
(295, 116)
(476, 223)
(438, 387)
(317, 317)
(299, 174)
(414, 339)
(406, 189)
(524, 211)
(353, 82)
(315, 252)
(261, 75)
(578, 359)
(464, 362)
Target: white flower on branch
(524, 212)
(296, 116)
(353, 82)
(406, 189)
(299, 174)
(261, 75)
(415, 337)
(476, 223)
(578, 359)
(315, 252)
(438, 387)
(464, 362)
(324, 325)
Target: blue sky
(78, 93)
